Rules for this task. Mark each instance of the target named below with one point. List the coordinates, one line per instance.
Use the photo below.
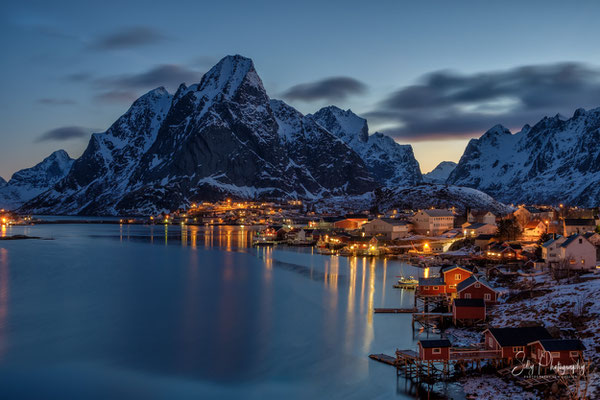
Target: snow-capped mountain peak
(554, 161)
(30, 182)
(391, 164)
(440, 173)
(344, 124)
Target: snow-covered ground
(566, 308)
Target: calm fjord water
(109, 311)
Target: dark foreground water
(138, 312)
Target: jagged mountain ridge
(555, 161)
(440, 173)
(221, 137)
(30, 182)
(391, 164)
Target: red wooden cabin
(548, 352)
(431, 287)
(513, 341)
(474, 288)
(468, 311)
(455, 274)
(434, 350)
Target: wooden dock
(384, 358)
(395, 310)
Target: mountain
(221, 137)
(30, 182)
(2, 182)
(440, 173)
(427, 195)
(391, 164)
(555, 161)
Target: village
(537, 259)
(504, 302)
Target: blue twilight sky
(429, 73)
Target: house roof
(438, 213)
(580, 222)
(429, 343)
(533, 210)
(471, 280)
(588, 235)
(561, 344)
(451, 267)
(519, 336)
(570, 240)
(431, 281)
(549, 242)
(469, 303)
(533, 224)
(394, 221)
(476, 225)
(482, 236)
(480, 213)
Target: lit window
(457, 276)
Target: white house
(484, 217)
(478, 228)
(433, 222)
(551, 250)
(578, 252)
(387, 228)
(578, 225)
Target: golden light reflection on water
(3, 230)
(3, 299)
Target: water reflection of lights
(3, 230)
(3, 298)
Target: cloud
(64, 133)
(446, 104)
(116, 96)
(335, 88)
(55, 101)
(168, 75)
(128, 38)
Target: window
(436, 288)
(457, 276)
(517, 349)
(580, 241)
(437, 350)
(477, 285)
(467, 295)
(487, 296)
(491, 342)
(555, 355)
(574, 354)
(572, 261)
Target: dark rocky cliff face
(220, 137)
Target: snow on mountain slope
(440, 173)
(555, 161)
(391, 164)
(2, 182)
(438, 196)
(220, 137)
(101, 176)
(30, 182)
